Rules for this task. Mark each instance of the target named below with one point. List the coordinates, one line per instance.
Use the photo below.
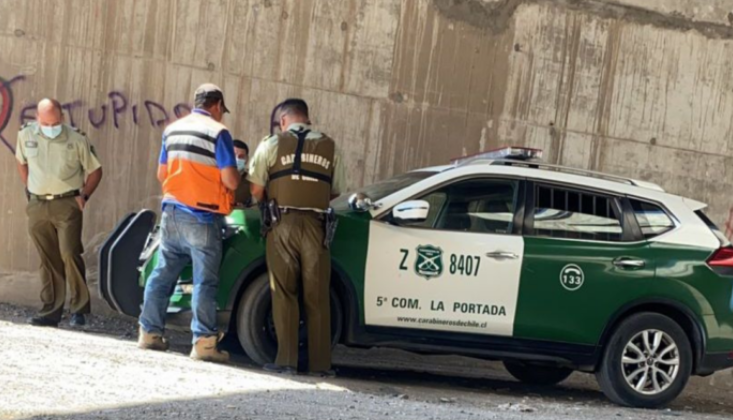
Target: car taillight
(723, 257)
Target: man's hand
(230, 178)
(257, 191)
(23, 170)
(81, 202)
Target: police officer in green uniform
(60, 171)
(299, 171)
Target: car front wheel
(647, 362)
(256, 329)
(537, 374)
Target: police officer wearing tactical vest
(60, 170)
(198, 171)
(299, 172)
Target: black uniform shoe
(323, 374)
(284, 370)
(77, 320)
(42, 321)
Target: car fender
(339, 280)
(245, 278)
(666, 306)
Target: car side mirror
(415, 211)
(360, 202)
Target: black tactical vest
(303, 172)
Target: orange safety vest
(194, 179)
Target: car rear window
(713, 227)
(652, 219)
(561, 213)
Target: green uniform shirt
(265, 158)
(55, 166)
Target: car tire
(626, 382)
(533, 374)
(254, 328)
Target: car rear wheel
(534, 374)
(647, 362)
(256, 328)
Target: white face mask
(241, 164)
(51, 132)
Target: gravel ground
(98, 373)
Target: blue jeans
(184, 239)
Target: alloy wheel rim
(650, 362)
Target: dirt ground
(98, 373)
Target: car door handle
(501, 255)
(628, 263)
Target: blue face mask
(52, 132)
(241, 164)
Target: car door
(584, 259)
(119, 257)
(457, 271)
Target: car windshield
(384, 188)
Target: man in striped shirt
(198, 171)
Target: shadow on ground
(377, 373)
(282, 404)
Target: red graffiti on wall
(6, 106)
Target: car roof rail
(572, 171)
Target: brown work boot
(205, 349)
(149, 341)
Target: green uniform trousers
(55, 228)
(295, 251)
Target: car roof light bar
(531, 158)
(509, 153)
(581, 172)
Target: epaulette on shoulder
(79, 130)
(25, 125)
(269, 139)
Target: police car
(499, 256)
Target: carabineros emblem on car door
(429, 262)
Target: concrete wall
(642, 88)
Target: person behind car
(242, 197)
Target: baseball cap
(209, 91)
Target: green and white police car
(549, 269)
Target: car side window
(478, 205)
(565, 213)
(437, 200)
(652, 219)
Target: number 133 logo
(572, 277)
